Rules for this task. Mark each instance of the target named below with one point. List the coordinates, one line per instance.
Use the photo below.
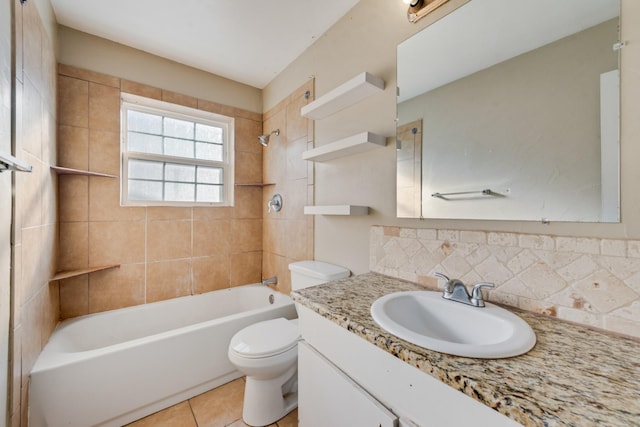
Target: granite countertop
(574, 376)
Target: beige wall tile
(116, 288)
(246, 235)
(296, 166)
(248, 202)
(168, 212)
(16, 376)
(104, 151)
(73, 102)
(104, 202)
(177, 98)
(73, 147)
(269, 235)
(247, 132)
(297, 125)
(246, 268)
(74, 246)
(49, 75)
(31, 336)
(137, 234)
(30, 194)
(168, 279)
(211, 237)
(104, 108)
(274, 156)
(200, 213)
(31, 261)
(32, 33)
(296, 247)
(18, 285)
(248, 168)
(211, 273)
(18, 39)
(50, 247)
(295, 196)
(140, 89)
(214, 107)
(33, 119)
(168, 240)
(90, 76)
(74, 296)
(116, 242)
(283, 273)
(74, 190)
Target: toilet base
(267, 401)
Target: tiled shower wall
(35, 300)
(591, 281)
(288, 234)
(164, 252)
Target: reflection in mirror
(519, 98)
(409, 169)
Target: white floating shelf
(355, 144)
(352, 91)
(336, 210)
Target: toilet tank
(311, 273)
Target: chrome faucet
(270, 281)
(455, 290)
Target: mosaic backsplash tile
(595, 282)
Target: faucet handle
(476, 293)
(442, 276)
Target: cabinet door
(327, 397)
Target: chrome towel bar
(485, 192)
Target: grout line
(193, 414)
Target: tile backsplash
(591, 281)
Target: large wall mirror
(509, 110)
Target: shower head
(264, 139)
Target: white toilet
(267, 352)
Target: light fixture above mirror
(418, 9)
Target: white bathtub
(111, 368)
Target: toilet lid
(266, 338)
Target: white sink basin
(426, 319)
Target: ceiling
(248, 41)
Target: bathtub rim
(54, 356)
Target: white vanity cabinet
(328, 397)
(338, 368)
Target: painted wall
(35, 300)
(365, 40)
(89, 52)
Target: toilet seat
(265, 339)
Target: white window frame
(153, 106)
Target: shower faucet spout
(270, 281)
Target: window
(174, 155)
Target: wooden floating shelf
(73, 273)
(336, 210)
(355, 144)
(257, 184)
(69, 171)
(352, 91)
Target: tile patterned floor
(220, 407)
